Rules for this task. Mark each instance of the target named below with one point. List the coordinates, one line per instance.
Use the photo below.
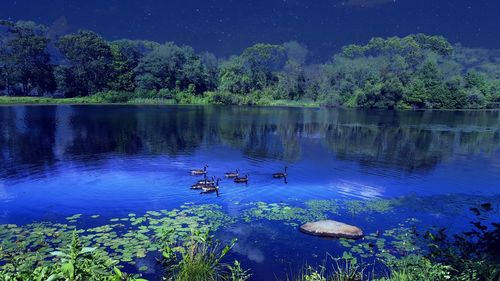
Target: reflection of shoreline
(38, 136)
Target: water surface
(57, 161)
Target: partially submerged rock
(333, 229)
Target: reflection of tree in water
(97, 130)
(258, 132)
(412, 140)
(26, 139)
(403, 140)
(170, 131)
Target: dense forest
(417, 71)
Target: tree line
(416, 71)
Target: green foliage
(416, 71)
(172, 67)
(113, 97)
(73, 263)
(472, 255)
(418, 268)
(198, 258)
(40, 250)
(89, 68)
(24, 59)
(345, 268)
(126, 56)
(237, 273)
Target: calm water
(60, 160)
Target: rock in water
(331, 228)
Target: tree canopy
(416, 71)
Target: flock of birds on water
(207, 185)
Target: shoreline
(38, 101)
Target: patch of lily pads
(125, 239)
(388, 245)
(134, 237)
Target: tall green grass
(199, 258)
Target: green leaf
(68, 269)
(86, 250)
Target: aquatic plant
(125, 239)
(32, 249)
(291, 215)
(345, 268)
(237, 273)
(418, 268)
(73, 262)
(199, 258)
(472, 255)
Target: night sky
(226, 27)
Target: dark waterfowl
(231, 175)
(211, 188)
(241, 179)
(280, 174)
(487, 206)
(199, 172)
(475, 211)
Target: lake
(128, 167)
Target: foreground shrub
(73, 263)
(199, 258)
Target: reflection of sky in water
(5, 196)
(246, 245)
(362, 191)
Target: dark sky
(225, 27)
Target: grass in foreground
(199, 258)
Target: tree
(254, 70)
(89, 64)
(171, 67)
(126, 57)
(235, 76)
(24, 59)
(211, 69)
(293, 81)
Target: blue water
(57, 161)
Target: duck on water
(280, 175)
(199, 172)
(231, 175)
(241, 179)
(211, 188)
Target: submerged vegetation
(416, 71)
(180, 242)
